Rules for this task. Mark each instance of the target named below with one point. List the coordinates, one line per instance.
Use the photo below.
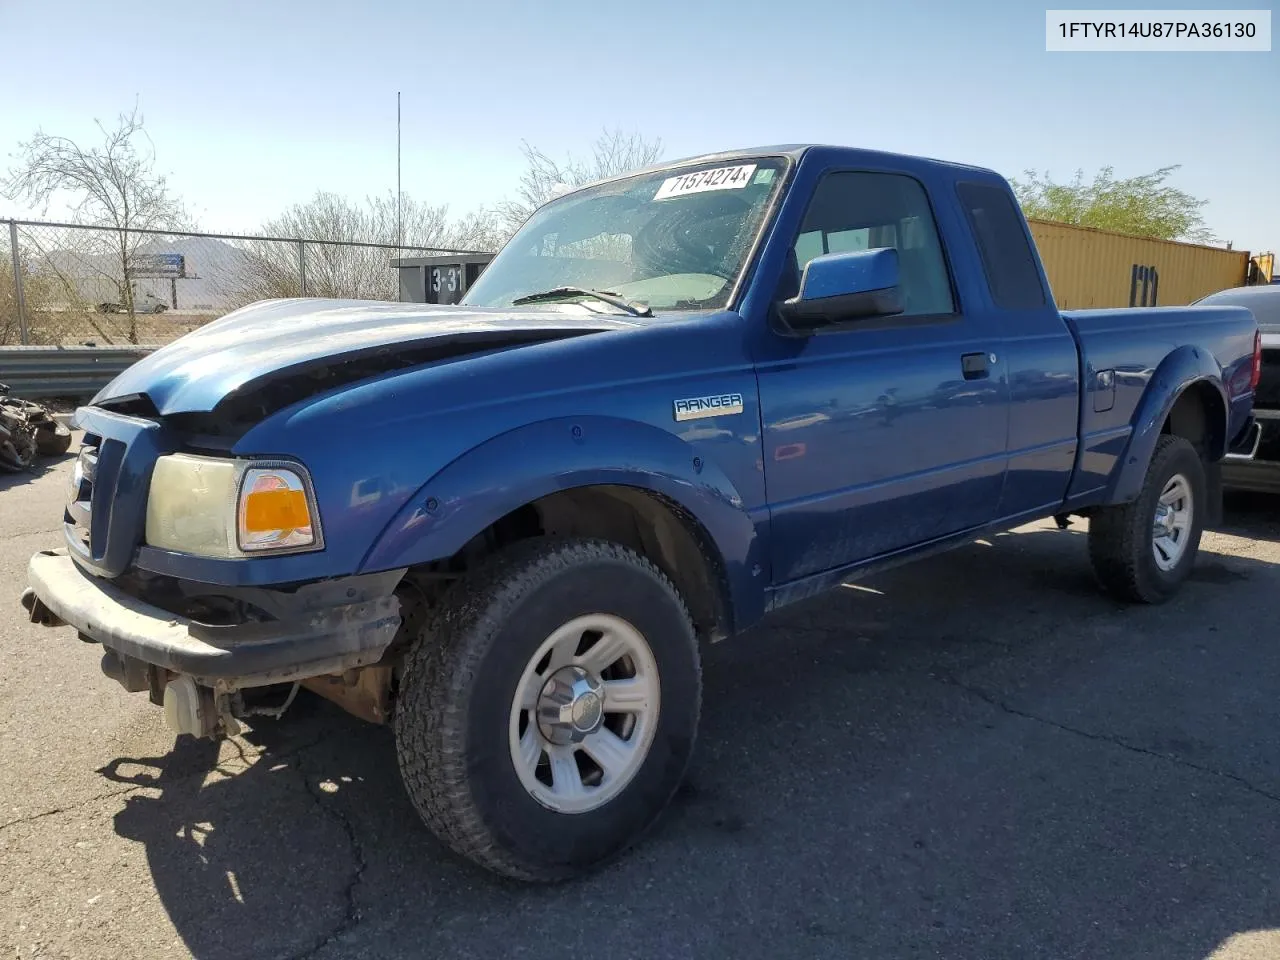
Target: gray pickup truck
(1261, 473)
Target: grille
(78, 516)
(106, 499)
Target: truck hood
(300, 347)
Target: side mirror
(839, 287)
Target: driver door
(889, 432)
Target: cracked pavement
(977, 756)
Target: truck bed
(1122, 351)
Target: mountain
(214, 270)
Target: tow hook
(37, 612)
(197, 710)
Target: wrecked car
(674, 402)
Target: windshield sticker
(764, 176)
(721, 178)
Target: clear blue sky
(256, 105)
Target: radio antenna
(399, 201)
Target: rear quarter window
(1008, 261)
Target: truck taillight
(1256, 377)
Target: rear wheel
(1143, 551)
(547, 716)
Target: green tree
(1145, 205)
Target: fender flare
(1179, 372)
(523, 465)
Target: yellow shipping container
(1090, 268)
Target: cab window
(864, 211)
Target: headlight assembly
(214, 507)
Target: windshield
(675, 239)
(1264, 302)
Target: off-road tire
(453, 706)
(1120, 536)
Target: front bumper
(310, 640)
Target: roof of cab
(795, 151)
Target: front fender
(518, 467)
(1177, 373)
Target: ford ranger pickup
(675, 401)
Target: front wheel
(1143, 551)
(548, 715)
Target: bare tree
(334, 267)
(113, 185)
(9, 300)
(613, 152)
(52, 294)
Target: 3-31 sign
(448, 280)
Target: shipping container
(1091, 268)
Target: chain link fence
(63, 284)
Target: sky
(254, 106)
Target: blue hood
(265, 340)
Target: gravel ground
(974, 757)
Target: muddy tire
(1143, 551)
(547, 714)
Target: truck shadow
(862, 786)
(42, 466)
(1253, 515)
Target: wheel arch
(651, 524)
(1199, 414)
(1184, 397)
(599, 477)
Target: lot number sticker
(721, 178)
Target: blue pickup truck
(674, 402)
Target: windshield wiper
(606, 296)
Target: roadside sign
(169, 265)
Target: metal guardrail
(80, 372)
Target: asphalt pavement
(977, 756)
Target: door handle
(974, 366)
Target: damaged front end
(208, 655)
(242, 368)
(212, 472)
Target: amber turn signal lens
(268, 510)
(274, 511)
